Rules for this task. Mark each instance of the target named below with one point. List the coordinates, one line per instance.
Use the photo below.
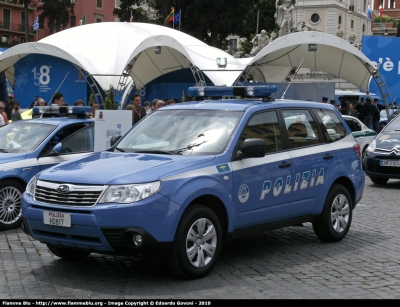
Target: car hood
(119, 168)
(11, 157)
(388, 140)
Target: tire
(10, 204)
(66, 253)
(191, 257)
(379, 180)
(335, 220)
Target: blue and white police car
(189, 177)
(27, 147)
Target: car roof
(243, 104)
(56, 121)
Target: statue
(284, 17)
(340, 32)
(352, 39)
(306, 27)
(272, 37)
(259, 42)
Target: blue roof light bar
(61, 111)
(252, 91)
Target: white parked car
(363, 135)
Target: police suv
(189, 177)
(27, 147)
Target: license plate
(57, 219)
(395, 163)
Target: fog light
(137, 239)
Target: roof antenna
(41, 116)
(295, 73)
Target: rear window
(333, 124)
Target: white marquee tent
(105, 50)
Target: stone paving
(288, 263)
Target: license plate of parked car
(57, 218)
(395, 163)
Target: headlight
(31, 187)
(126, 194)
(372, 146)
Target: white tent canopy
(332, 55)
(103, 49)
(175, 55)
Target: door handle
(328, 156)
(284, 164)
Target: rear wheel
(335, 220)
(197, 243)
(66, 253)
(379, 180)
(10, 204)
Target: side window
(264, 126)
(354, 125)
(334, 126)
(301, 128)
(59, 136)
(81, 141)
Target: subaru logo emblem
(63, 188)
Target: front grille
(78, 195)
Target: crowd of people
(11, 110)
(367, 110)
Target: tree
(26, 3)
(57, 12)
(123, 12)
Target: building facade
(12, 18)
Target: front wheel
(379, 180)
(66, 253)
(335, 219)
(197, 244)
(10, 204)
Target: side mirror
(57, 149)
(114, 139)
(251, 148)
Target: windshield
(22, 137)
(186, 132)
(393, 125)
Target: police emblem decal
(63, 188)
(243, 193)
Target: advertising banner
(41, 75)
(383, 51)
(109, 123)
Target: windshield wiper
(189, 147)
(3, 150)
(119, 149)
(155, 151)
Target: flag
(36, 24)
(82, 21)
(169, 18)
(177, 17)
(131, 20)
(369, 13)
(380, 10)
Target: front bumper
(105, 228)
(373, 168)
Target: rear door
(312, 158)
